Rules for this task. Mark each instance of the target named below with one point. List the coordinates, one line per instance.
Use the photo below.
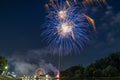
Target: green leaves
(3, 64)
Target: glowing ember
(58, 75)
(62, 14)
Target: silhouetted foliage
(3, 63)
(106, 67)
(75, 71)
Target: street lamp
(6, 67)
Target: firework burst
(67, 27)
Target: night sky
(20, 41)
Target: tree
(75, 71)
(3, 64)
(105, 67)
(110, 71)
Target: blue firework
(67, 28)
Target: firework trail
(98, 2)
(93, 1)
(67, 27)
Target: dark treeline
(105, 67)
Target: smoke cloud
(28, 63)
